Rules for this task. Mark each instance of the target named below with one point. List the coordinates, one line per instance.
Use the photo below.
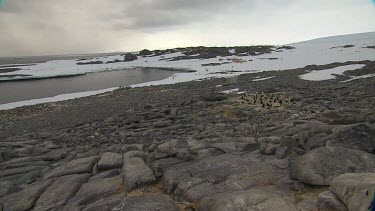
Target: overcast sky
(41, 27)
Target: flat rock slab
(136, 173)
(25, 199)
(110, 160)
(96, 190)
(21, 170)
(151, 202)
(61, 190)
(356, 190)
(57, 154)
(322, 165)
(78, 166)
(254, 199)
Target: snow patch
(262, 79)
(320, 75)
(359, 77)
(230, 91)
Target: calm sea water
(34, 89)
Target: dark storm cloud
(165, 13)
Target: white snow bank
(319, 52)
(262, 79)
(320, 75)
(230, 91)
(359, 77)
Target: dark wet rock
(132, 147)
(322, 165)
(225, 147)
(318, 140)
(21, 170)
(308, 204)
(215, 97)
(148, 202)
(8, 187)
(146, 157)
(356, 190)
(110, 160)
(281, 152)
(247, 147)
(197, 192)
(105, 174)
(56, 154)
(60, 191)
(20, 161)
(136, 173)
(185, 184)
(78, 166)
(254, 199)
(25, 199)
(204, 153)
(29, 178)
(161, 123)
(172, 177)
(96, 190)
(359, 136)
(329, 201)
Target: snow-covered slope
(319, 51)
(355, 47)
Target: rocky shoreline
(283, 144)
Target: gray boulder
(322, 165)
(78, 166)
(110, 160)
(25, 199)
(136, 173)
(95, 190)
(329, 201)
(358, 136)
(356, 190)
(59, 193)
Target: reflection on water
(33, 89)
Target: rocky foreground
(284, 144)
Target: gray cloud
(31, 27)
